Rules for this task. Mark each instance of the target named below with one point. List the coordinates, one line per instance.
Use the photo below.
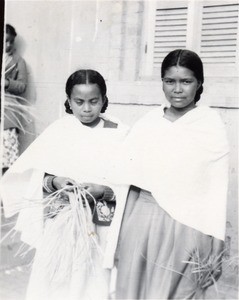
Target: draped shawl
(66, 148)
(184, 164)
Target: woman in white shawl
(61, 165)
(175, 161)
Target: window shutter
(219, 34)
(170, 32)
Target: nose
(178, 87)
(87, 107)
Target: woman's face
(180, 86)
(86, 103)
(9, 43)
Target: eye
(94, 101)
(79, 102)
(187, 81)
(168, 81)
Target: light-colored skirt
(157, 256)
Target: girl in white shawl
(175, 161)
(73, 152)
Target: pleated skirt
(158, 257)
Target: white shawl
(66, 148)
(183, 163)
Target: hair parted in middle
(187, 59)
(86, 76)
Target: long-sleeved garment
(16, 74)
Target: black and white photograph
(119, 149)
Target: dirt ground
(15, 270)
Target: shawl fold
(66, 148)
(184, 164)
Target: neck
(174, 113)
(181, 111)
(93, 124)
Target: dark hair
(188, 59)
(11, 30)
(86, 77)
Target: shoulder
(210, 115)
(150, 117)
(17, 58)
(110, 124)
(60, 124)
(20, 62)
(114, 122)
(213, 126)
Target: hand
(94, 190)
(62, 182)
(56, 206)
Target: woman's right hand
(63, 182)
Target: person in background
(175, 160)
(14, 85)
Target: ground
(15, 270)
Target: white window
(209, 28)
(219, 34)
(170, 32)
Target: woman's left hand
(93, 190)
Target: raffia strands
(205, 270)
(68, 260)
(69, 240)
(19, 110)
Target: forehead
(178, 72)
(86, 90)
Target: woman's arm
(18, 86)
(53, 183)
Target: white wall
(58, 37)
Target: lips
(86, 117)
(178, 98)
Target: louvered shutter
(219, 34)
(170, 33)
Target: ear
(69, 100)
(199, 84)
(104, 100)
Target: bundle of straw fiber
(67, 264)
(17, 112)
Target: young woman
(73, 152)
(175, 160)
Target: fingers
(64, 197)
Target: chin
(178, 105)
(86, 121)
